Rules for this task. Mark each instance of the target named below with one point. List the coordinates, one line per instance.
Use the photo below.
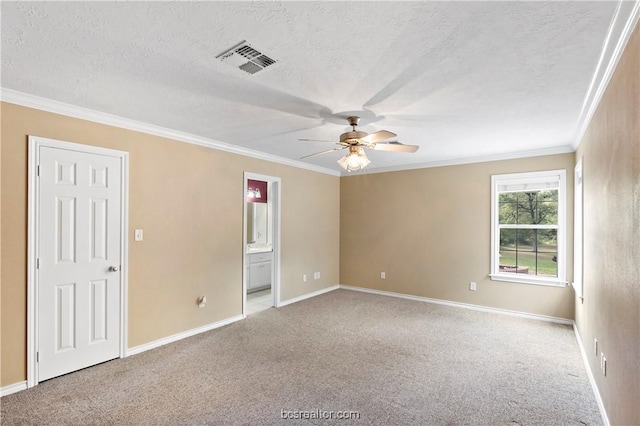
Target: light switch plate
(138, 235)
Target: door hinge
(38, 171)
(38, 263)
(37, 356)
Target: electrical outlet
(601, 355)
(383, 276)
(595, 347)
(201, 301)
(316, 275)
(472, 286)
(304, 278)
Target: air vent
(250, 67)
(246, 57)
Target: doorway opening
(261, 243)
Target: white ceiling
(460, 79)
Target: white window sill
(525, 279)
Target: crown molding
(466, 160)
(36, 102)
(622, 25)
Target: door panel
(98, 229)
(98, 311)
(79, 240)
(66, 229)
(65, 317)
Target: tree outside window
(529, 250)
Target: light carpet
(393, 361)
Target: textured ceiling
(460, 79)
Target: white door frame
(35, 142)
(275, 195)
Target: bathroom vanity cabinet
(259, 271)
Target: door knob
(113, 269)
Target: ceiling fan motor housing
(352, 135)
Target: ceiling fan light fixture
(355, 160)
(356, 141)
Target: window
(527, 228)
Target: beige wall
(429, 230)
(188, 199)
(611, 310)
(1, 310)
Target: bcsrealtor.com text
(319, 414)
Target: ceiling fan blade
(316, 140)
(395, 146)
(378, 136)
(323, 152)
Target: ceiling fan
(356, 141)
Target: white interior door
(78, 258)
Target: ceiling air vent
(246, 57)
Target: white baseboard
(592, 380)
(16, 387)
(308, 295)
(461, 305)
(174, 338)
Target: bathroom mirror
(258, 224)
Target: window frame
(578, 230)
(496, 275)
